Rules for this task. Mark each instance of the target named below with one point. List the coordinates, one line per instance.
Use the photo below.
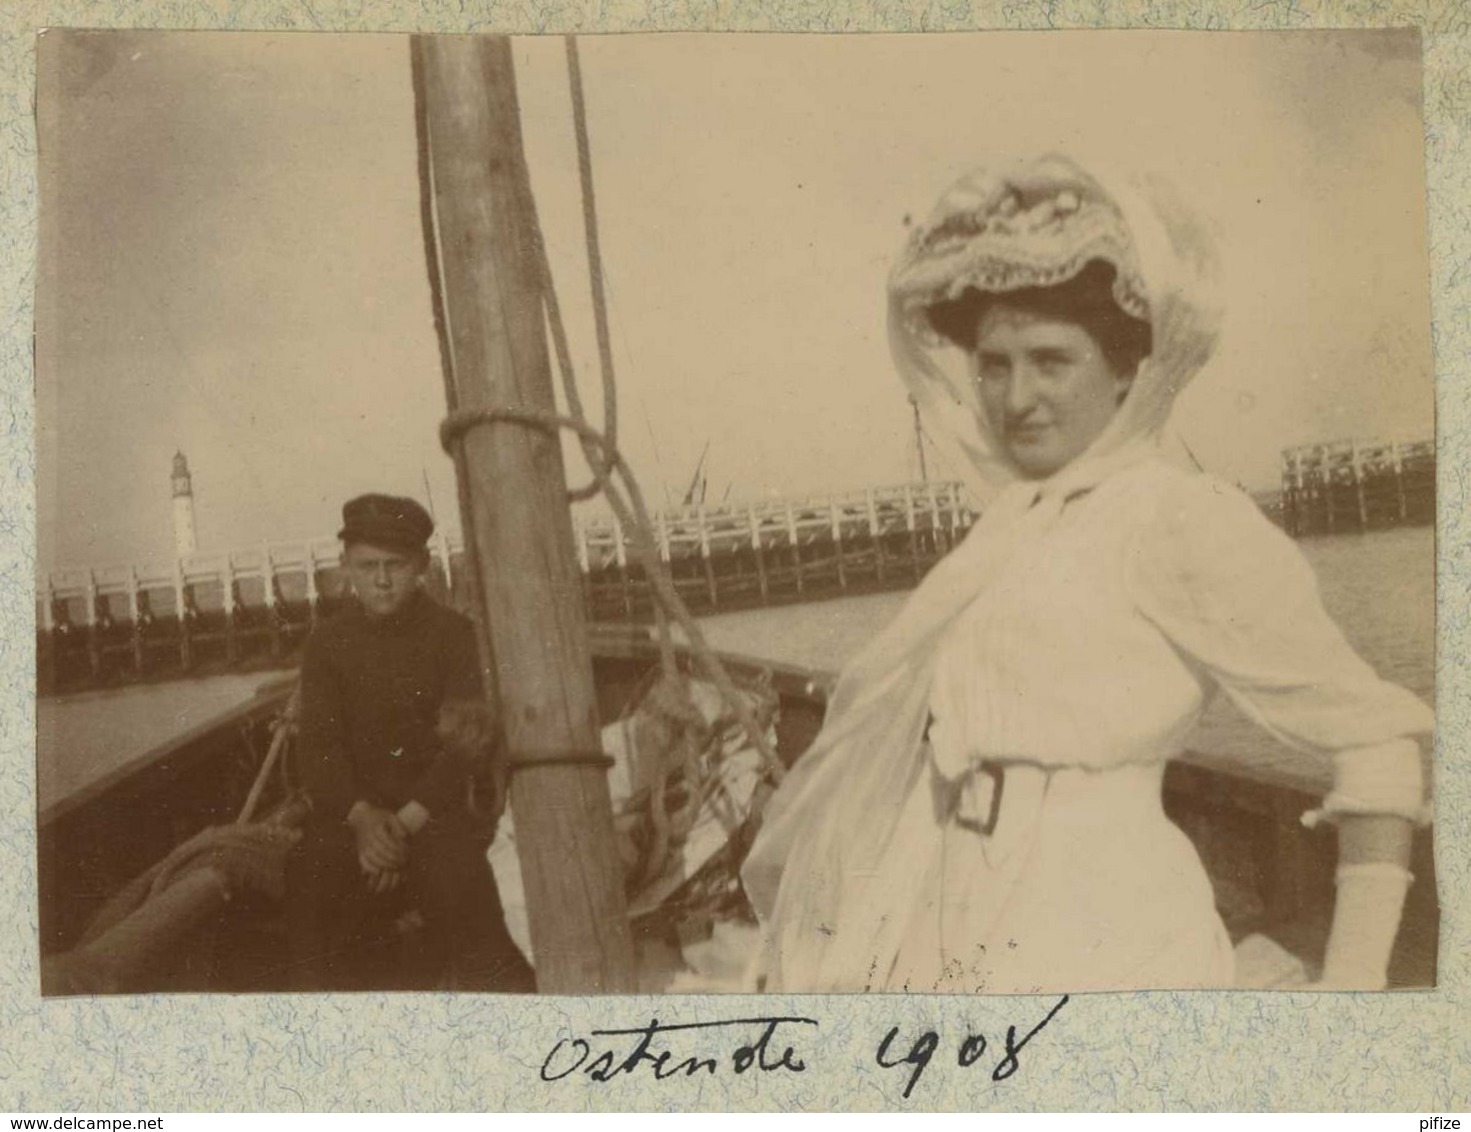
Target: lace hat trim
(1009, 243)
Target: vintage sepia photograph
(942, 514)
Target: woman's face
(1046, 389)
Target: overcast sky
(233, 265)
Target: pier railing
(253, 607)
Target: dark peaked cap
(389, 521)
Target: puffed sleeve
(1235, 594)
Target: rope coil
(599, 447)
(634, 518)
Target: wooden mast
(515, 512)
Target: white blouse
(1099, 646)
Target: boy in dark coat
(390, 808)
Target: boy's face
(384, 579)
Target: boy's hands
(382, 840)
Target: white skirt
(1077, 882)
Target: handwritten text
(681, 1050)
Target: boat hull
(1272, 876)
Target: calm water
(82, 736)
(1379, 586)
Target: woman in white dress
(982, 811)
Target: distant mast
(924, 473)
(184, 541)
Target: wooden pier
(253, 607)
(1351, 485)
(770, 553)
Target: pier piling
(1355, 485)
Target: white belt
(1000, 802)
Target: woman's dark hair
(1085, 300)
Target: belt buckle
(997, 773)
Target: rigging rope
(594, 246)
(600, 446)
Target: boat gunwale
(633, 643)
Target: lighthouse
(184, 544)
